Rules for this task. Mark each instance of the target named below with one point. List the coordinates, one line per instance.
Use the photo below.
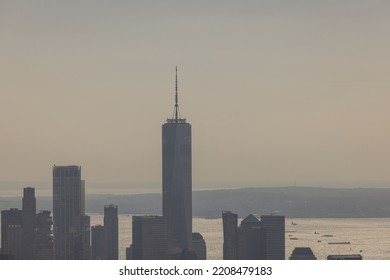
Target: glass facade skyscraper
(275, 239)
(177, 178)
(230, 235)
(67, 215)
(111, 231)
(28, 224)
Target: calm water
(369, 237)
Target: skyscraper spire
(176, 100)
(176, 118)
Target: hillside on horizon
(293, 202)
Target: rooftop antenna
(177, 113)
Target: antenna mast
(176, 100)
(176, 118)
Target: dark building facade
(11, 232)
(199, 246)
(251, 239)
(14, 245)
(177, 178)
(67, 212)
(43, 237)
(230, 235)
(150, 238)
(86, 237)
(111, 231)
(28, 222)
(98, 243)
(275, 239)
(129, 252)
(254, 239)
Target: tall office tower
(111, 231)
(177, 177)
(98, 243)
(11, 223)
(67, 206)
(43, 237)
(86, 236)
(251, 239)
(150, 238)
(85, 227)
(275, 228)
(230, 235)
(28, 222)
(199, 246)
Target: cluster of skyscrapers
(254, 239)
(28, 235)
(25, 234)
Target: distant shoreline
(293, 202)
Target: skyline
(302, 86)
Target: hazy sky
(277, 92)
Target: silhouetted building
(14, 244)
(251, 239)
(129, 253)
(43, 237)
(230, 235)
(28, 222)
(199, 246)
(67, 212)
(275, 236)
(6, 256)
(345, 257)
(82, 197)
(177, 177)
(11, 232)
(86, 236)
(150, 238)
(85, 226)
(302, 253)
(257, 240)
(111, 231)
(188, 255)
(98, 243)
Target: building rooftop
(250, 219)
(197, 236)
(176, 121)
(345, 257)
